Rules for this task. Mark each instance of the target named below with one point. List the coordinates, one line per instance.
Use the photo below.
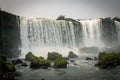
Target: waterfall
(118, 29)
(91, 33)
(44, 35)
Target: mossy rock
(107, 60)
(6, 66)
(30, 56)
(60, 63)
(39, 62)
(10, 67)
(53, 55)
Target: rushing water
(43, 35)
(84, 70)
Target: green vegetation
(36, 62)
(53, 55)
(29, 56)
(39, 62)
(108, 59)
(60, 63)
(62, 17)
(4, 65)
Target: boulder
(53, 55)
(72, 55)
(60, 63)
(39, 63)
(107, 60)
(88, 58)
(17, 61)
(24, 64)
(29, 56)
(6, 66)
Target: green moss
(6, 66)
(60, 63)
(38, 62)
(10, 67)
(108, 59)
(53, 55)
(62, 17)
(29, 56)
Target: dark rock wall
(9, 34)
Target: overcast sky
(78, 9)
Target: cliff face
(9, 34)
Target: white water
(43, 35)
(91, 33)
(118, 29)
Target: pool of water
(83, 70)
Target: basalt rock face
(9, 34)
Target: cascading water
(118, 29)
(91, 33)
(43, 35)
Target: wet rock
(39, 62)
(72, 55)
(17, 61)
(60, 63)
(53, 55)
(30, 56)
(88, 58)
(24, 64)
(107, 60)
(72, 61)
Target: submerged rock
(24, 64)
(72, 55)
(88, 58)
(17, 61)
(72, 61)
